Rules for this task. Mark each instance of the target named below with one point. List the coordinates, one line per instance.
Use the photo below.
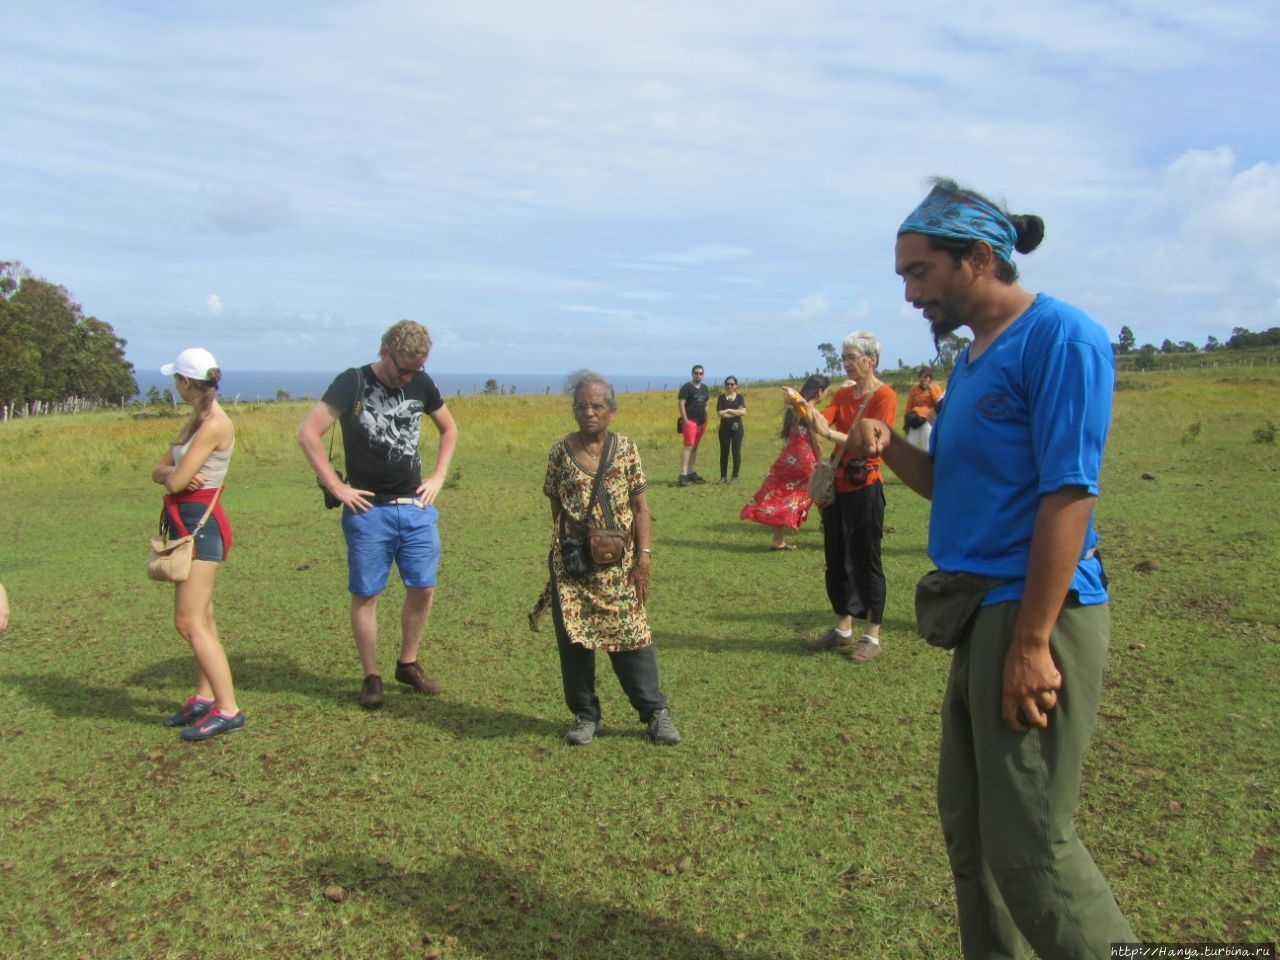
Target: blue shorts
(405, 533)
(209, 539)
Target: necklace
(587, 451)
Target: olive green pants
(1007, 800)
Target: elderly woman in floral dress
(603, 608)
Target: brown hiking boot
(412, 675)
(371, 692)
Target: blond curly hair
(408, 338)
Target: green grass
(796, 820)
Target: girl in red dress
(782, 502)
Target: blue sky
(628, 186)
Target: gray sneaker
(660, 729)
(867, 649)
(582, 731)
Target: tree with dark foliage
(50, 351)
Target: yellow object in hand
(798, 403)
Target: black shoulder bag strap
(597, 489)
(355, 408)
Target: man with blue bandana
(1012, 472)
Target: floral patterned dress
(783, 499)
(600, 611)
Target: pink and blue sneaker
(214, 723)
(189, 712)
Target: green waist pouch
(946, 604)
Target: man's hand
(870, 438)
(1031, 685)
(428, 489)
(357, 500)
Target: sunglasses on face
(404, 371)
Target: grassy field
(795, 821)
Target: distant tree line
(1143, 357)
(52, 356)
(1140, 357)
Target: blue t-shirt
(1027, 418)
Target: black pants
(637, 671)
(730, 440)
(852, 528)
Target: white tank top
(214, 468)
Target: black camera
(855, 471)
(574, 556)
(330, 501)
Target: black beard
(944, 326)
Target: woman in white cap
(192, 471)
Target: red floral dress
(783, 499)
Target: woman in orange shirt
(922, 404)
(853, 524)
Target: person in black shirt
(389, 509)
(731, 407)
(692, 399)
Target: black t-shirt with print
(380, 435)
(695, 397)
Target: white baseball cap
(194, 363)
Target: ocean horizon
(311, 384)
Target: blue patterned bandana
(959, 217)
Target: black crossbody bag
(599, 546)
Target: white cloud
(481, 165)
(215, 304)
(1207, 244)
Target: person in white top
(192, 472)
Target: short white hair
(864, 341)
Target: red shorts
(693, 432)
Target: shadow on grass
(493, 911)
(175, 676)
(67, 697)
(477, 722)
(788, 640)
(257, 679)
(259, 676)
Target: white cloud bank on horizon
(536, 182)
